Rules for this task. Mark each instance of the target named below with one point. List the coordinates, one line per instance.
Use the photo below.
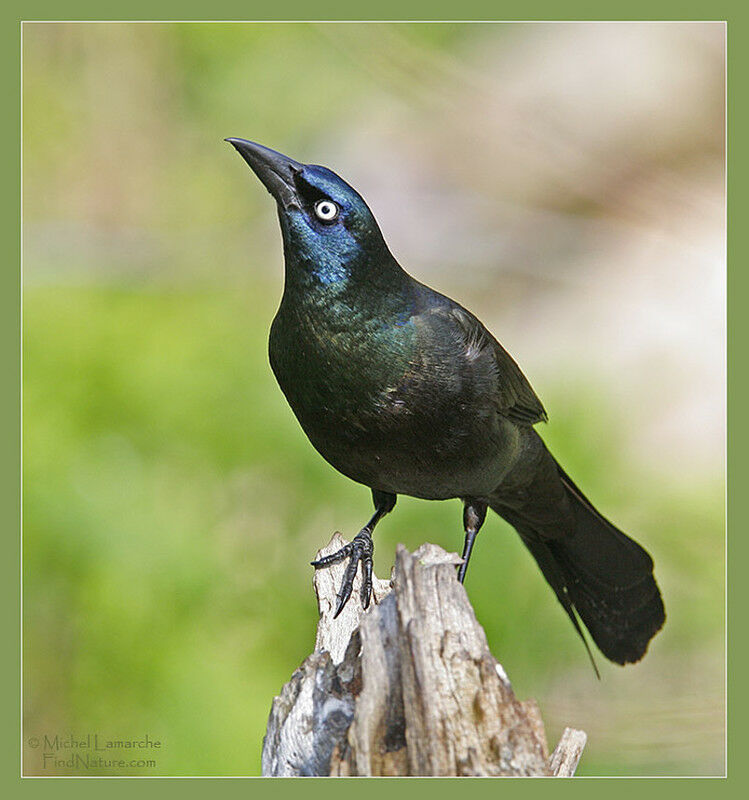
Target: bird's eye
(326, 210)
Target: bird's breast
(333, 364)
(381, 406)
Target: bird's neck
(365, 275)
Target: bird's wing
(515, 396)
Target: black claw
(343, 598)
(358, 550)
(348, 580)
(334, 558)
(366, 585)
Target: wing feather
(515, 396)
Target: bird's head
(324, 221)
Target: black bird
(405, 391)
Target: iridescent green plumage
(402, 389)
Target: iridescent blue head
(329, 233)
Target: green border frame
(738, 282)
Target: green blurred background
(565, 181)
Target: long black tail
(598, 573)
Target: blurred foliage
(171, 502)
(172, 505)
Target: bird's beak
(275, 170)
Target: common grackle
(405, 391)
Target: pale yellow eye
(326, 210)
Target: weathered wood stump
(408, 687)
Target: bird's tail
(599, 574)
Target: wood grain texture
(563, 761)
(407, 687)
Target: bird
(405, 391)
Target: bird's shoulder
(515, 396)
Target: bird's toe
(359, 550)
(334, 558)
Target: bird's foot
(360, 549)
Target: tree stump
(407, 687)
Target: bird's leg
(360, 549)
(474, 514)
